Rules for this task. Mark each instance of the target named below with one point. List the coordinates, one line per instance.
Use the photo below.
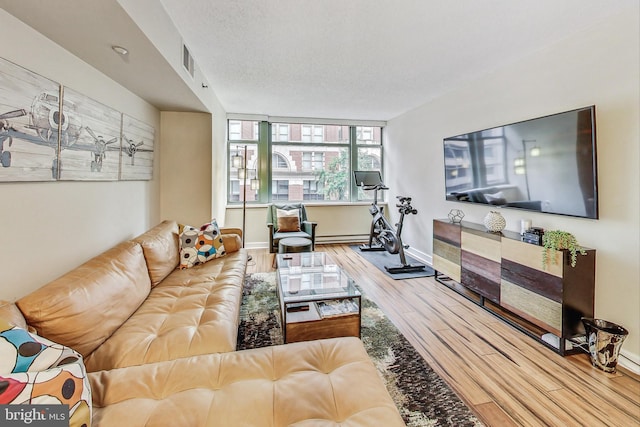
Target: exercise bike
(372, 180)
(382, 235)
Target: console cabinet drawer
(481, 275)
(534, 280)
(531, 256)
(446, 249)
(480, 262)
(535, 308)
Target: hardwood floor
(506, 377)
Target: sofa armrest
(231, 230)
(232, 242)
(231, 238)
(10, 312)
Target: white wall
(50, 228)
(218, 161)
(186, 167)
(336, 223)
(599, 66)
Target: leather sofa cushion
(84, 307)
(161, 251)
(9, 311)
(320, 383)
(191, 312)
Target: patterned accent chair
(307, 228)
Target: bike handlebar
(405, 205)
(375, 187)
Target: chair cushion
(198, 246)
(288, 220)
(35, 370)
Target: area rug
(380, 259)
(422, 397)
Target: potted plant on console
(556, 240)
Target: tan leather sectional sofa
(159, 345)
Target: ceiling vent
(187, 60)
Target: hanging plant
(556, 240)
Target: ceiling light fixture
(120, 50)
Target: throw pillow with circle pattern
(34, 370)
(199, 245)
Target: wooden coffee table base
(333, 327)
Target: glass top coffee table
(317, 298)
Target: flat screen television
(547, 164)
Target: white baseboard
(256, 245)
(354, 238)
(629, 361)
(420, 256)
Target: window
(312, 190)
(312, 160)
(280, 132)
(364, 134)
(235, 130)
(234, 192)
(308, 162)
(369, 152)
(241, 130)
(312, 133)
(280, 190)
(278, 162)
(243, 136)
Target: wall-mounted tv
(546, 165)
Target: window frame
(267, 148)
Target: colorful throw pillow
(36, 371)
(288, 220)
(198, 246)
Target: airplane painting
(49, 132)
(95, 156)
(137, 149)
(30, 125)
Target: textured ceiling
(361, 58)
(344, 59)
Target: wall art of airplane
(99, 150)
(44, 120)
(130, 148)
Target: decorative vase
(495, 222)
(455, 216)
(604, 340)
